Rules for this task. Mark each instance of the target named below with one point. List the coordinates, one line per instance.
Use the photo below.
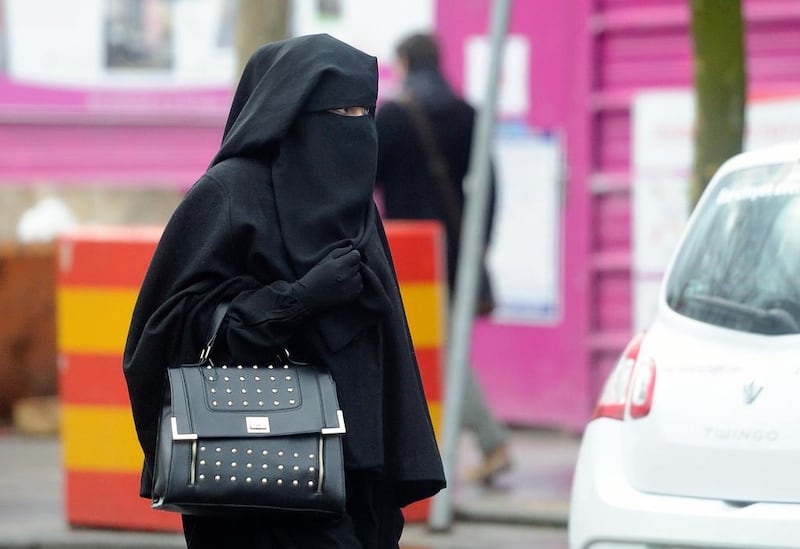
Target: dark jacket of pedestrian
(405, 178)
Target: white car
(695, 440)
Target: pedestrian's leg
(491, 434)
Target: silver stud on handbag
(240, 451)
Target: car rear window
(739, 265)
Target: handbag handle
(216, 322)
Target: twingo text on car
(695, 440)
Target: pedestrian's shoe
(498, 461)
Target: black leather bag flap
(241, 401)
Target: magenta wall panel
(108, 136)
(538, 374)
(613, 233)
(612, 143)
(76, 153)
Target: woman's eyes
(351, 111)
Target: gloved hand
(333, 281)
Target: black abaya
(291, 183)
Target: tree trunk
(720, 87)
(259, 22)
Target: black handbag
(263, 437)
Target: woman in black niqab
(283, 226)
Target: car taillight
(630, 381)
(643, 383)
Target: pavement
(528, 502)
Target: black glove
(333, 281)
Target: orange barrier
(419, 259)
(99, 274)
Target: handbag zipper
(320, 453)
(192, 464)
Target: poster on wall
(524, 255)
(121, 43)
(513, 92)
(661, 163)
(137, 37)
(662, 136)
(113, 60)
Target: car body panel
(725, 420)
(607, 511)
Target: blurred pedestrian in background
(424, 147)
(283, 226)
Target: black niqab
(323, 171)
(283, 79)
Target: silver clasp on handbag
(180, 436)
(257, 424)
(205, 352)
(339, 429)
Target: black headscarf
(284, 79)
(323, 172)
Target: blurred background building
(114, 107)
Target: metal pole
(468, 272)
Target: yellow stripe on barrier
(96, 320)
(93, 319)
(423, 303)
(435, 409)
(99, 438)
(103, 438)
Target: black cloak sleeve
(195, 266)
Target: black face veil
(323, 164)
